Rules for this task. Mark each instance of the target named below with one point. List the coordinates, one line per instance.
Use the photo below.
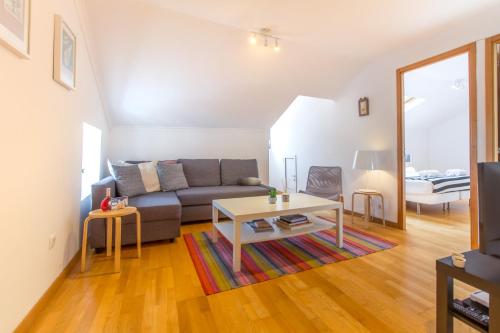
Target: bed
(433, 190)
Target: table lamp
(367, 160)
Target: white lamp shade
(367, 160)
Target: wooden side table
(368, 194)
(111, 215)
(481, 271)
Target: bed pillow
(135, 179)
(172, 176)
(429, 173)
(411, 172)
(455, 172)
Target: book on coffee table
(295, 218)
(296, 226)
(260, 225)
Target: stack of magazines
(293, 222)
(260, 225)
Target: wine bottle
(106, 202)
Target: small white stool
(111, 215)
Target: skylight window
(412, 102)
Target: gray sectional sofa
(163, 212)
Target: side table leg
(383, 209)
(352, 208)
(494, 316)
(444, 301)
(109, 236)
(236, 246)
(84, 244)
(139, 236)
(339, 217)
(367, 208)
(118, 242)
(215, 220)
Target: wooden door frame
(469, 49)
(490, 115)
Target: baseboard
(26, 324)
(377, 220)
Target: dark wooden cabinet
(482, 272)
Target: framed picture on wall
(64, 54)
(15, 26)
(363, 107)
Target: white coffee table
(241, 210)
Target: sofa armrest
(266, 186)
(99, 190)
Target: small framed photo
(363, 107)
(15, 26)
(64, 54)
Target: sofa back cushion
(232, 170)
(201, 172)
(171, 176)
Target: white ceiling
(434, 84)
(188, 63)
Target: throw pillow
(249, 181)
(150, 176)
(171, 176)
(135, 179)
(128, 180)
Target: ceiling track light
(253, 39)
(264, 34)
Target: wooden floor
(389, 291)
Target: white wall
(321, 133)
(441, 147)
(158, 143)
(40, 141)
(449, 144)
(417, 144)
(341, 131)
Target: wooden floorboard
(388, 291)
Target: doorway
(422, 141)
(492, 74)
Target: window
(91, 158)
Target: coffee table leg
(215, 220)
(236, 246)
(339, 215)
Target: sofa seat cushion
(204, 195)
(157, 206)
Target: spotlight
(253, 39)
(276, 45)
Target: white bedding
(418, 186)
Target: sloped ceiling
(189, 64)
(436, 85)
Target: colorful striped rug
(271, 259)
